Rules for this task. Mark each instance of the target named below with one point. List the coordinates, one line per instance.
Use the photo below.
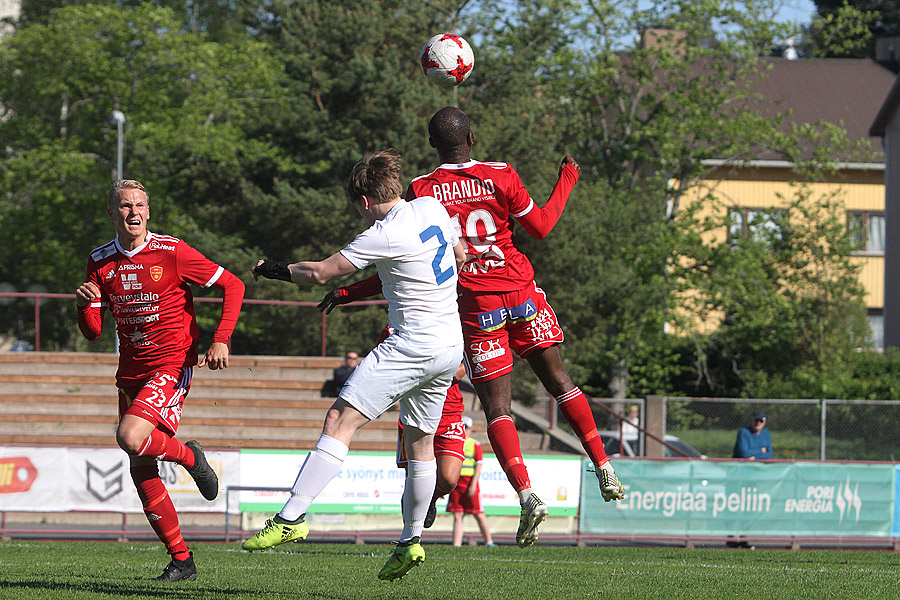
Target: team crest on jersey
(156, 272)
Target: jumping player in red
(142, 277)
(502, 309)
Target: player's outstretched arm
(370, 286)
(310, 272)
(539, 222)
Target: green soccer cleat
(277, 531)
(404, 557)
(610, 486)
(533, 513)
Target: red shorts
(495, 325)
(459, 501)
(449, 439)
(450, 436)
(159, 399)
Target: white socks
(421, 478)
(320, 467)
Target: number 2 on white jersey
(439, 275)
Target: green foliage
(844, 32)
(244, 119)
(787, 299)
(848, 28)
(185, 100)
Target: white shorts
(398, 371)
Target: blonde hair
(376, 176)
(120, 184)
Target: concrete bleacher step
(258, 402)
(312, 369)
(200, 386)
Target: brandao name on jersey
(412, 248)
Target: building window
(867, 231)
(875, 317)
(758, 224)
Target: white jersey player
(418, 255)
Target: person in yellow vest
(466, 496)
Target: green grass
(91, 570)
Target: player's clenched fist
(568, 160)
(85, 293)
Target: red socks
(159, 509)
(164, 447)
(505, 443)
(575, 408)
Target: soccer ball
(447, 59)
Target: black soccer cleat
(431, 515)
(179, 570)
(206, 479)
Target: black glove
(332, 299)
(272, 269)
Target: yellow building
(847, 93)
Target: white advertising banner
(98, 479)
(372, 483)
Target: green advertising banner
(722, 498)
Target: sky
(797, 10)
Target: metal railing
(36, 297)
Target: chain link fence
(810, 429)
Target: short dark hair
(449, 127)
(376, 176)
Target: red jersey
(146, 290)
(482, 198)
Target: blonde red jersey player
(147, 291)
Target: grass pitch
(94, 570)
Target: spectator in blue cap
(754, 441)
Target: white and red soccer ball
(447, 59)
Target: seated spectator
(340, 374)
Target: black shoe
(431, 515)
(178, 570)
(206, 479)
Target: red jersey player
(142, 277)
(501, 307)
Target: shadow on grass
(25, 588)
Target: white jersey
(412, 248)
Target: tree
(845, 30)
(185, 100)
(882, 17)
(246, 142)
